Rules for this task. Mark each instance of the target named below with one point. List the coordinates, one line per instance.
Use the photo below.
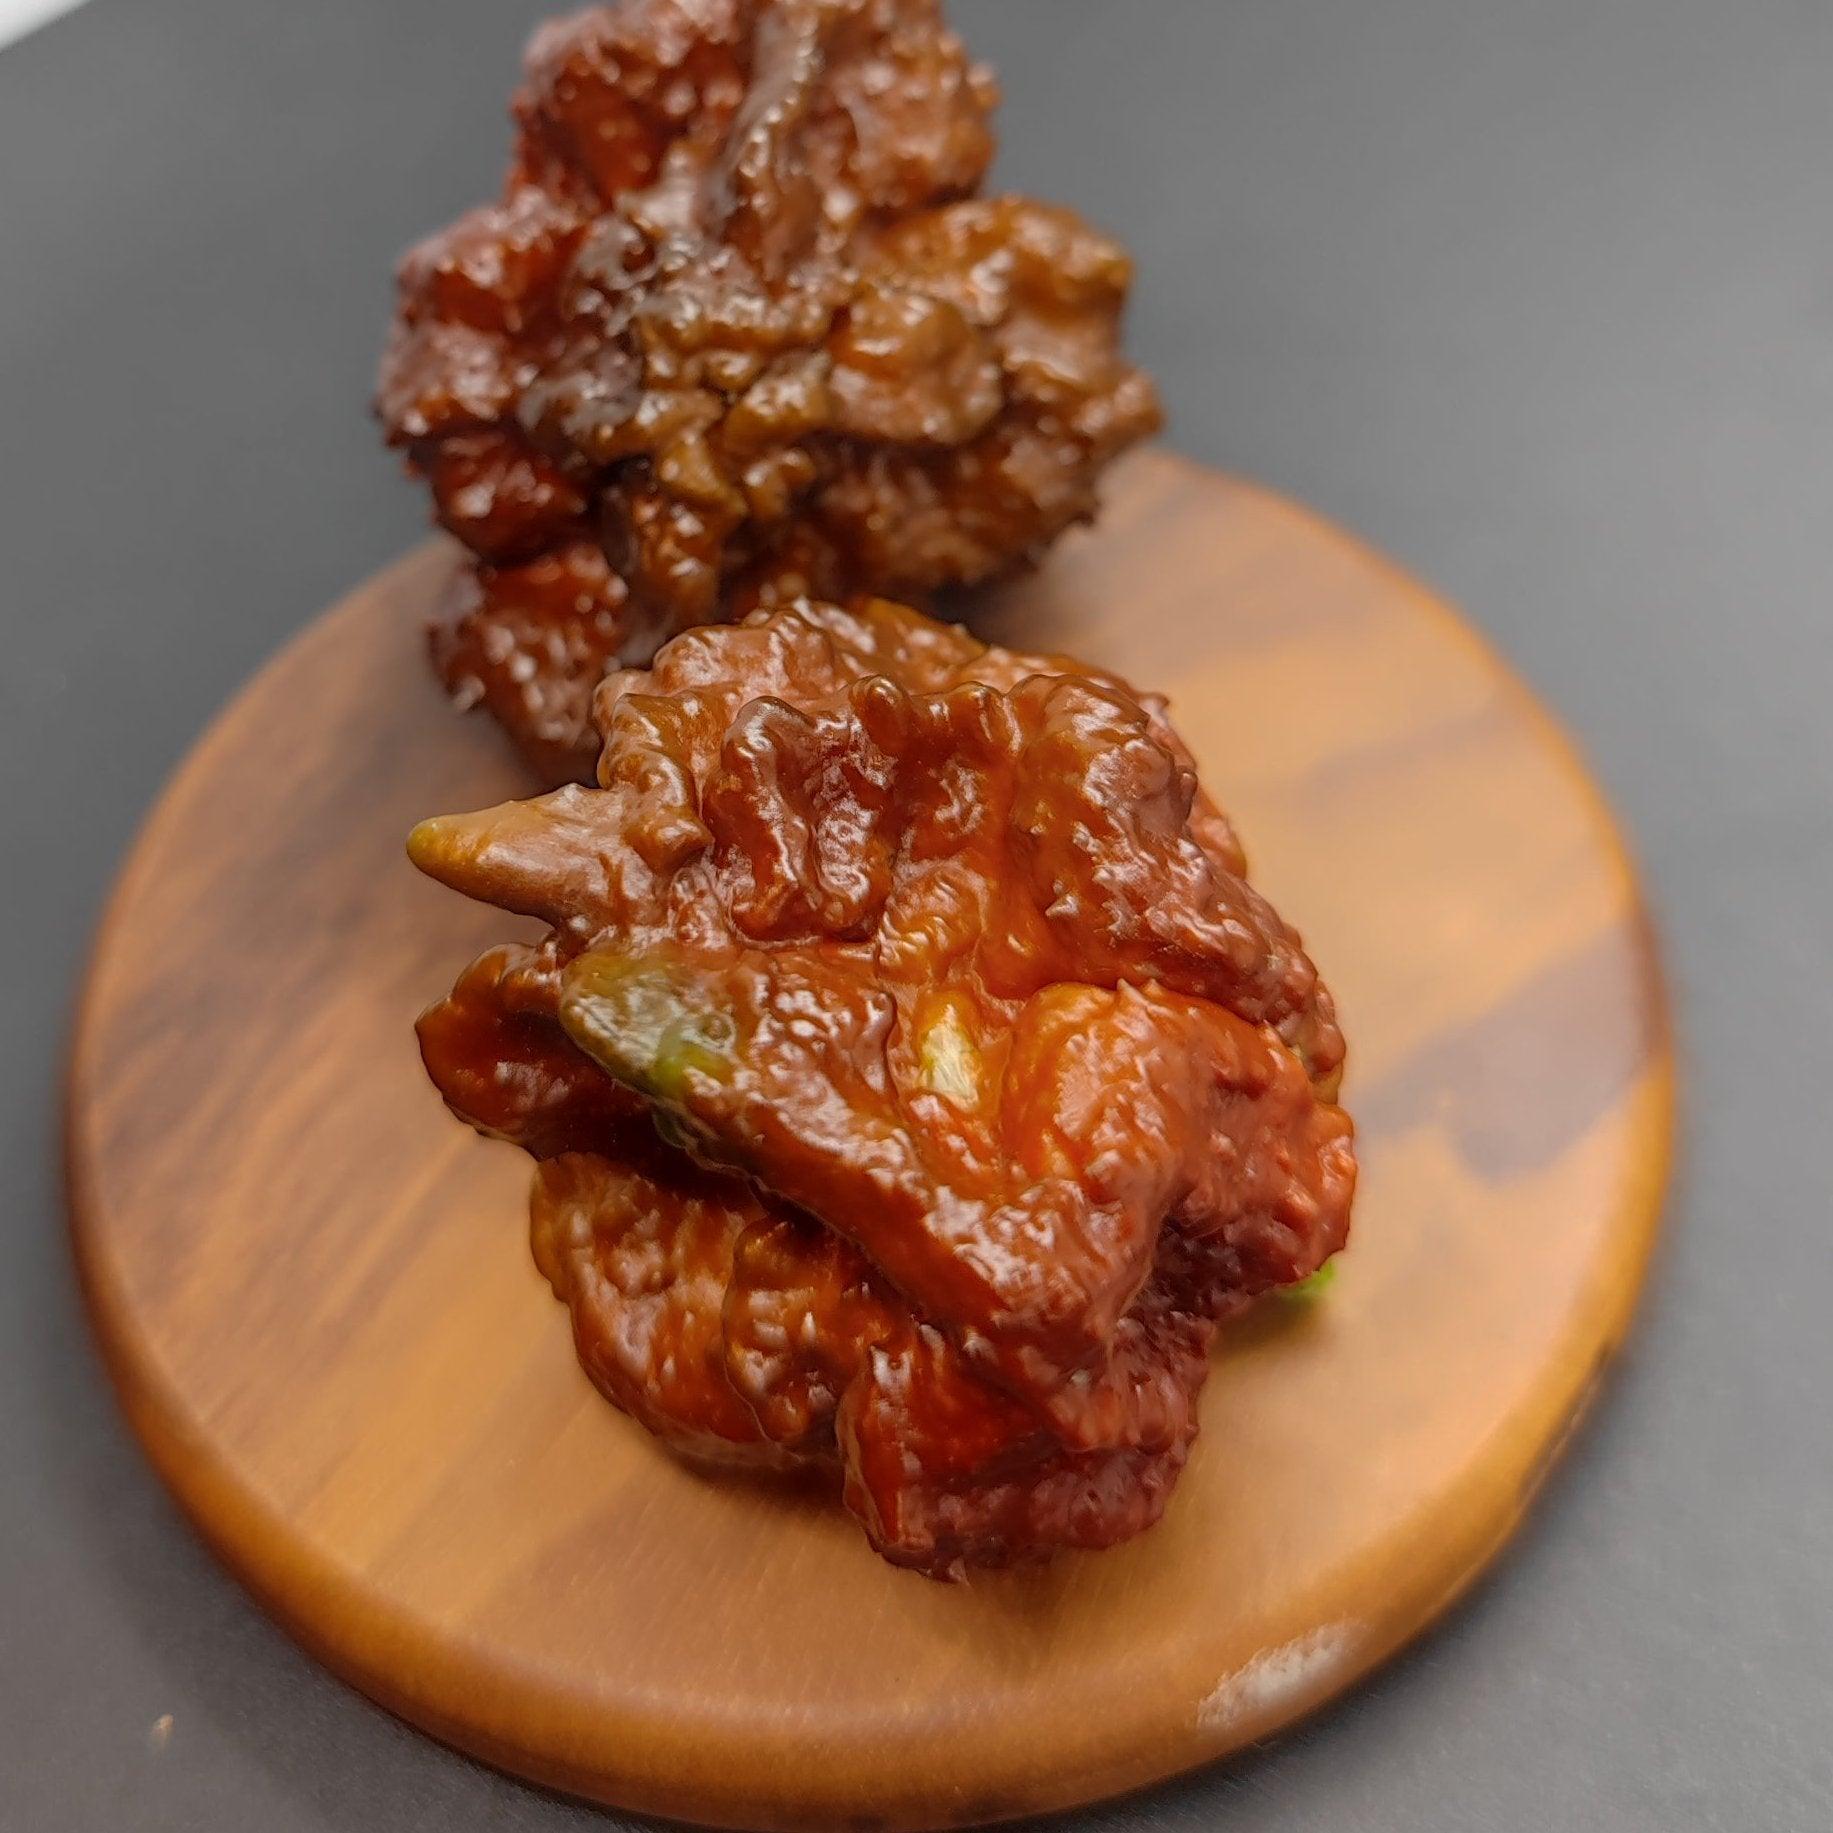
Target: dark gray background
(1535, 294)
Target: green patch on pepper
(646, 1024)
(1309, 1290)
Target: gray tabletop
(1539, 298)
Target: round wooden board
(315, 1293)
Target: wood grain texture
(315, 1294)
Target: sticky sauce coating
(739, 329)
(917, 1079)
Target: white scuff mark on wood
(1276, 1677)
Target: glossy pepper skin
(917, 1078)
(739, 329)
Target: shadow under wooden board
(315, 1293)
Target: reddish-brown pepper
(987, 1082)
(739, 330)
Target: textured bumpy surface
(738, 329)
(918, 1079)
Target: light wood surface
(315, 1294)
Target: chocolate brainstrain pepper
(917, 1079)
(739, 329)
